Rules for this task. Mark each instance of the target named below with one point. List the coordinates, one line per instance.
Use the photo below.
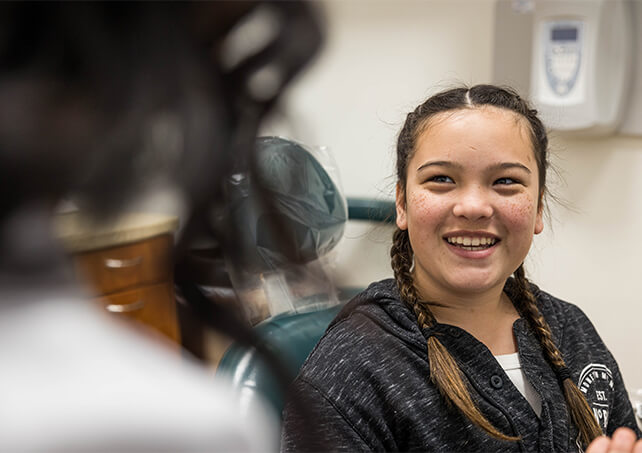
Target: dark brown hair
(444, 371)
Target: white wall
(590, 254)
(382, 58)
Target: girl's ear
(539, 220)
(400, 202)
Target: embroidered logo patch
(596, 382)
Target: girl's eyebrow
(449, 164)
(506, 165)
(439, 163)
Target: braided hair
(444, 371)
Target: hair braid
(401, 258)
(444, 370)
(579, 409)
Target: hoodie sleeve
(312, 423)
(582, 338)
(622, 413)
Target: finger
(599, 445)
(638, 447)
(622, 441)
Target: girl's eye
(440, 179)
(507, 181)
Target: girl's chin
(476, 284)
(463, 281)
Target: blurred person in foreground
(83, 87)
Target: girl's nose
(473, 204)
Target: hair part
(444, 371)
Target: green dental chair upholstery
(291, 336)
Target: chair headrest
(309, 205)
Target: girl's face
(471, 204)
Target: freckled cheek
(424, 208)
(520, 212)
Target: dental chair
(291, 335)
(293, 319)
(313, 204)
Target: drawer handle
(125, 308)
(112, 263)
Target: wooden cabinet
(128, 265)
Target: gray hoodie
(367, 383)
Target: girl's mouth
(472, 244)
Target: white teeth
(471, 241)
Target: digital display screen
(564, 34)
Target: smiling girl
(459, 352)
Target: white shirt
(510, 364)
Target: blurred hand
(623, 441)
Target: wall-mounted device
(581, 63)
(580, 55)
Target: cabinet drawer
(118, 268)
(153, 305)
